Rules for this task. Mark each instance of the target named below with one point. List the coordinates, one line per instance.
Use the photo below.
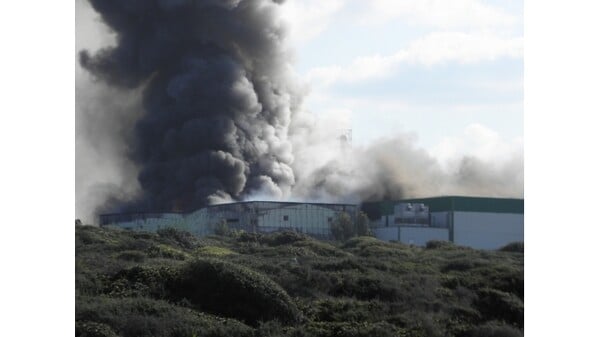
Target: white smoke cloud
(308, 18)
(103, 119)
(477, 164)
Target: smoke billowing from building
(217, 100)
(194, 103)
(397, 168)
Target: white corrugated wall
(487, 230)
(418, 236)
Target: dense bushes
(141, 317)
(233, 291)
(282, 238)
(93, 329)
(165, 251)
(437, 244)
(364, 288)
(495, 329)
(210, 285)
(142, 281)
(344, 309)
(517, 247)
(348, 329)
(132, 255)
(179, 237)
(499, 305)
(170, 284)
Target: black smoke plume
(217, 98)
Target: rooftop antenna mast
(345, 137)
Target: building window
(329, 219)
(285, 218)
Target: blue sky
(437, 69)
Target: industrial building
(482, 223)
(253, 216)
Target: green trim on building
(450, 203)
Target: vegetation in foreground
(136, 284)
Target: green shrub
(420, 323)
(233, 291)
(515, 247)
(362, 241)
(143, 317)
(132, 255)
(347, 310)
(438, 244)
(282, 238)
(221, 228)
(495, 329)
(462, 264)
(363, 287)
(141, 281)
(504, 277)
(142, 235)
(93, 329)
(179, 237)
(339, 265)
(496, 304)
(166, 252)
(88, 235)
(271, 329)
(372, 248)
(362, 225)
(249, 237)
(320, 248)
(213, 251)
(347, 329)
(131, 242)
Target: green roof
(450, 203)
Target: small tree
(362, 225)
(342, 227)
(221, 228)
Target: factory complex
(482, 223)
(314, 219)
(477, 222)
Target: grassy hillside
(137, 284)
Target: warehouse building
(482, 223)
(253, 216)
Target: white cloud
(442, 47)
(446, 14)
(433, 49)
(477, 141)
(502, 85)
(309, 18)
